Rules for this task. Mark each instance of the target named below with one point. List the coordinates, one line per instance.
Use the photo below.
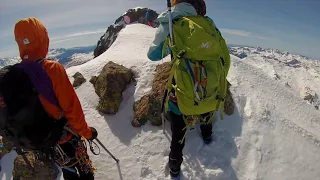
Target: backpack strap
(41, 81)
(191, 121)
(61, 114)
(222, 90)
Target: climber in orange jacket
(33, 42)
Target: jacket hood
(32, 39)
(179, 10)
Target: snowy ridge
(283, 131)
(298, 73)
(273, 129)
(268, 53)
(273, 133)
(9, 61)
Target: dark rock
(78, 79)
(136, 15)
(7, 143)
(160, 80)
(109, 86)
(259, 49)
(293, 63)
(141, 111)
(242, 55)
(309, 95)
(276, 76)
(43, 169)
(93, 80)
(229, 103)
(149, 107)
(287, 85)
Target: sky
(288, 25)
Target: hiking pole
(117, 160)
(171, 44)
(78, 136)
(170, 22)
(162, 111)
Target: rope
(191, 121)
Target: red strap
(203, 83)
(2, 103)
(195, 74)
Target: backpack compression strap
(199, 85)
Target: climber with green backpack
(197, 83)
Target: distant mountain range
(79, 55)
(244, 51)
(66, 56)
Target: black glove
(94, 133)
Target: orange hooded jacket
(33, 41)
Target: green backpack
(200, 64)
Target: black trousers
(177, 125)
(74, 173)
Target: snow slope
(298, 73)
(273, 134)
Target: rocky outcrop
(149, 107)
(7, 145)
(293, 63)
(311, 97)
(138, 15)
(229, 103)
(41, 169)
(109, 86)
(78, 79)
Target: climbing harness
(81, 157)
(91, 143)
(191, 121)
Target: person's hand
(94, 133)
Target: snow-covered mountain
(272, 135)
(66, 56)
(298, 73)
(140, 15)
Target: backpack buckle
(220, 98)
(181, 54)
(2, 103)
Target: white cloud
(74, 35)
(61, 40)
(242, 33)
(69, 13)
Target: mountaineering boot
(70, 174)
(174, 167)
(207, 140)
(206, 132)
(175, 175)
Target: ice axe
(117, 160)
(90, 142)
(171, 44)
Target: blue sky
(289, 25)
